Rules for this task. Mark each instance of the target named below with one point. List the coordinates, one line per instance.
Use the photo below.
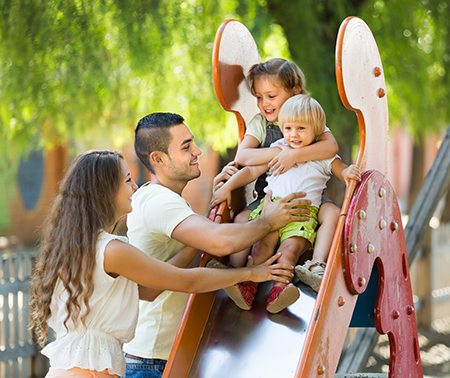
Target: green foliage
(414, 46)
(88, 70)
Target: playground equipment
(217, 339)
(37, 179)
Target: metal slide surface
(253, 343)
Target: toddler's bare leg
(328, 218)
(239, 259)
(265, 248)
(291, 249)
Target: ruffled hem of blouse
(92, 350)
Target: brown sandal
(312, 278)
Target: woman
(88, 281)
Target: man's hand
(229, 170)
(283, 211)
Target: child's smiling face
(270, 96)
(298, 134)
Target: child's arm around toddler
(282, 158)
(324, 148)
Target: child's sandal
(218, 265)
(312, 278)
(281, 297)
(242, 294)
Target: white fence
(440, 273)
(16, 345)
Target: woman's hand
(268, 272)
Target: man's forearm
(219, 239)
(235, 239)
(226, 238)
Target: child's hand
(229, 170)
(268, 272)
(283, 161)
(352, 172)
(220, 195)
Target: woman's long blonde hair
(83, 207)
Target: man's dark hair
(153, 134)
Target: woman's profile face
(126, 189)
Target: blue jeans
(144, 367)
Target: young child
(272, 83)
(302, 120)
(87, 281)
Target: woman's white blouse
(110, 323)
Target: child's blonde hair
(288, 73)
(303, 108)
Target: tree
(74, 70)
(413, 40)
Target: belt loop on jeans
(133, 357)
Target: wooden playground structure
(368, 262)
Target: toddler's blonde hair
(303, 108)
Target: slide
(217, 339)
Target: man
(162, 223)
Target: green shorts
(305, 229)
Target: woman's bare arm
(125, 260)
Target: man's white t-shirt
(157, 210)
